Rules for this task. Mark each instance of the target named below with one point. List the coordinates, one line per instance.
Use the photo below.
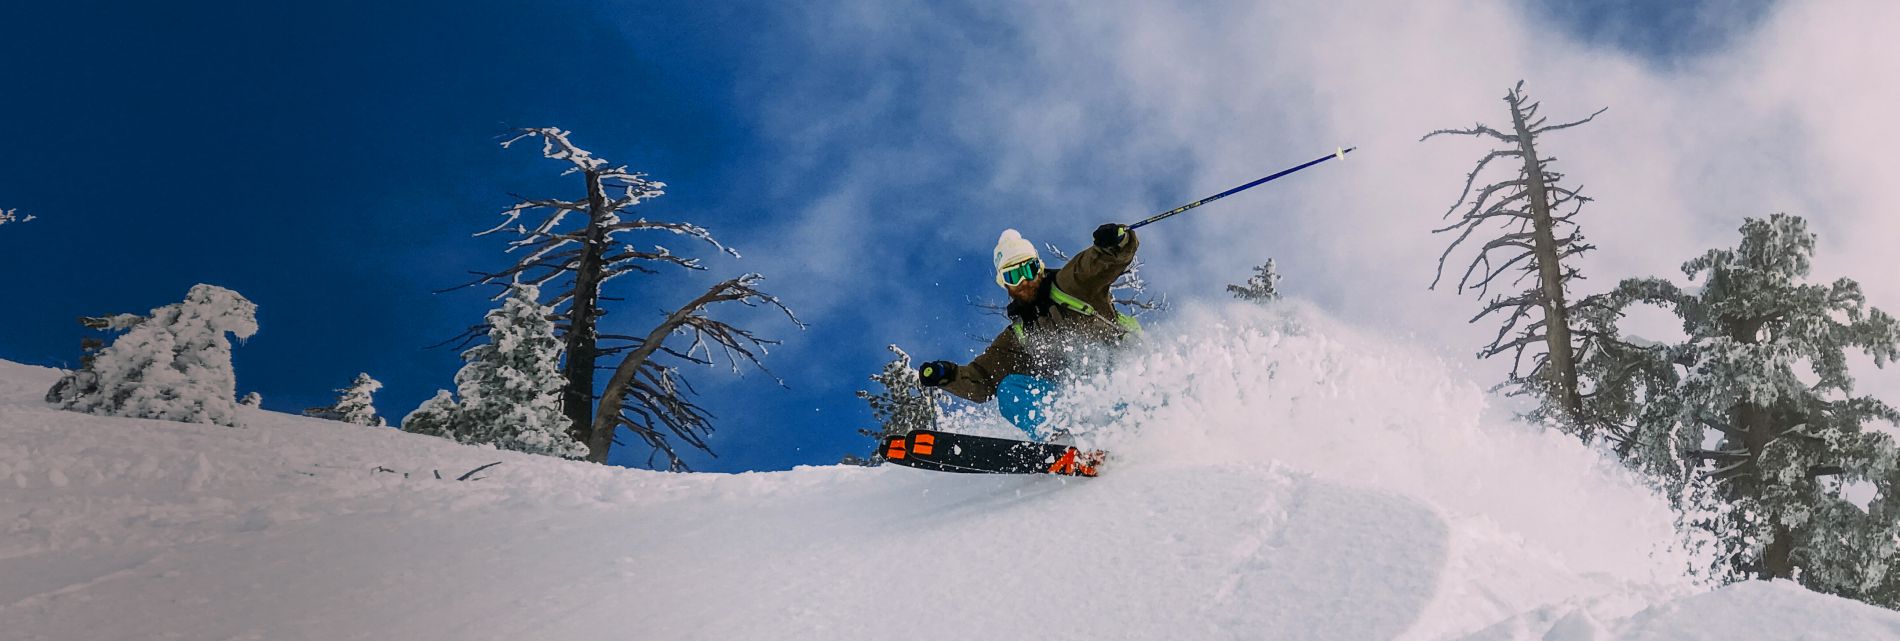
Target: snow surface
(1276, 477)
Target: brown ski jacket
(1072, 310)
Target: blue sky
(330, 161)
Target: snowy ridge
(1278, 477)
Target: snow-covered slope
(1276, 477)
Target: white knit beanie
(1011, 249)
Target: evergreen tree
(12, 216)
(1262, 287)
(174, 365)
(436, 417)
(1776, 493)
(904, 404)
(1534, 236)
(356, 405)
(89, 348)
(571, 249)
(511, 386)
(252, 399)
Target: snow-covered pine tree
(904, 404)
(1782, 491)
(252, 399)
(356, 403)
(89, 348)
(174, 365)
(435, 417)
(511, 385)
(1534, 236)
(1262, 287)
(570, 249)
(12, 216)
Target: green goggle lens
(1022, 272)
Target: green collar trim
(1071, 302)
(1127, 323)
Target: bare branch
(1476, 130)
(646, 396)
(471, 473)
(1541, 130)
(1473, 176)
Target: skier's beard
(1025, 291)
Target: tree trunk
(607, 419)
(1757, 426)
(577, 399)
(1758, 430)
(1562, 374)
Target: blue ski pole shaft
(1172, 212)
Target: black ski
(969, 454)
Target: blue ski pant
(1023, 401)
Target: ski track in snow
(1275, 478)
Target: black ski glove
(937, 373)
(1111, 236)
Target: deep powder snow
(1277, 476)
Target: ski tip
(1343, 151)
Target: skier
(1056, 318)
(1053, 314)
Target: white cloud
(1070, 114)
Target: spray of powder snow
(1241, 383)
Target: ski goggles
(1016, 274)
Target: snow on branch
(13, 216)
(569, 247)
(550, 246)
(556, 146)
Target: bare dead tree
(1535, 236)
(651, 398)
(569, 249)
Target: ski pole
(1169, 213)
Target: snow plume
(1239, 383)
(174, 365)
(108, 530)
